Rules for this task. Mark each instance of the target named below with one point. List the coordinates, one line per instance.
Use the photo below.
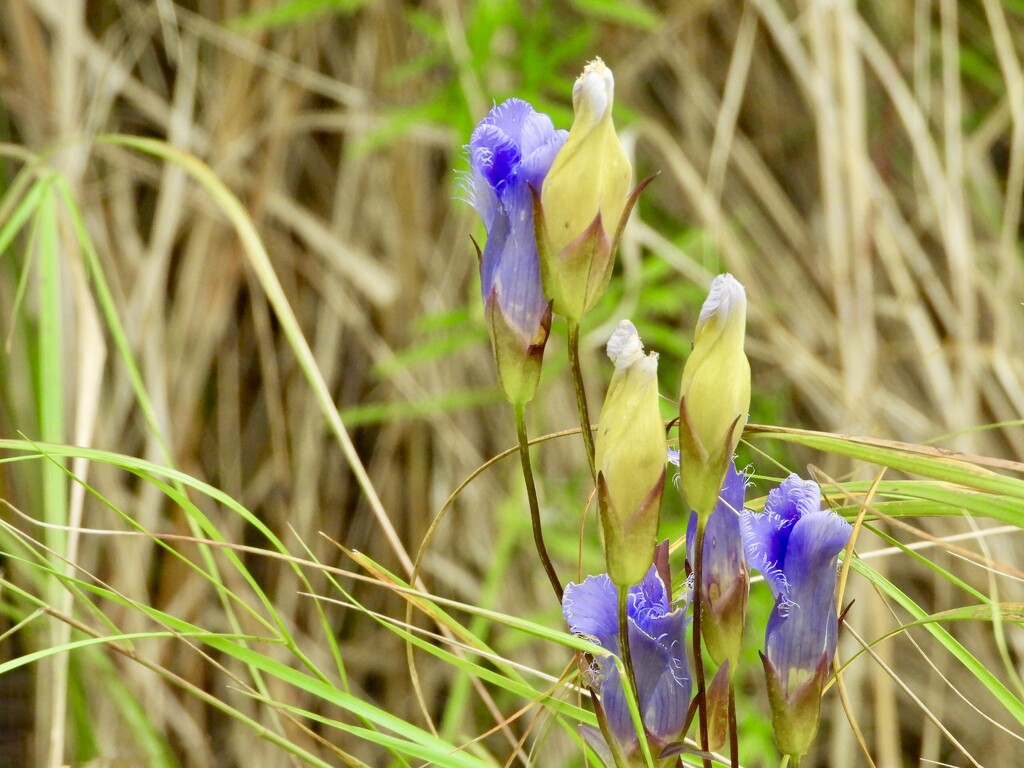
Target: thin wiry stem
(531, 493)
(627, 654)
(581, 396)
(698, 659)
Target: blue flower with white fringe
(796, 544)
(510, 153)
(657, 641)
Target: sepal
(702, 468)
(718, 708)
(795, 718)
(629, 540)
(576, 276)
(722, 622)
(518, 360)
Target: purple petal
(512, 265)
(537, 161)
(664, 704)
(511, 117)
(816, 540)
(764, 549)
(801, 630)
(658, 644)
(613, 699)
(648, 600)
(495, 249)
(723, 544)
(511, 148)
(663, 682)
(481, 195)
(537, 130)
(766, 536)
(804, 624)
(591, 610)
(791, 500)
(662, 676)
(494, 153)
(733, 491)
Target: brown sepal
(718, 707)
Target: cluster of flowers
(554, 205)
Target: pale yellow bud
(714, 393)
(630, 457)
(590, 177)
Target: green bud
(630, 457)
(714, 398)
(584, 200)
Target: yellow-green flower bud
(714, 394)
(584, 199)
(630, 457)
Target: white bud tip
(595, 88)
(726, 294)
(624, 346)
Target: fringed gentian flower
(796, 544)
(657, 641)
(725, 578)
(510, 153)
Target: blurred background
(858, 166)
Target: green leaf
(1012, 704)
(911, 459)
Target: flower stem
(734, 738)
(627, 655)
(531, 493)
(698, 658)
(581, 395)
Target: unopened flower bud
(584, 199)
(714, 394)
(630, 458)
(725, 578)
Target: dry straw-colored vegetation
(858, 166)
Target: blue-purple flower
(796, 544)
(657, 641)
(725, 577)
(510, 153)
